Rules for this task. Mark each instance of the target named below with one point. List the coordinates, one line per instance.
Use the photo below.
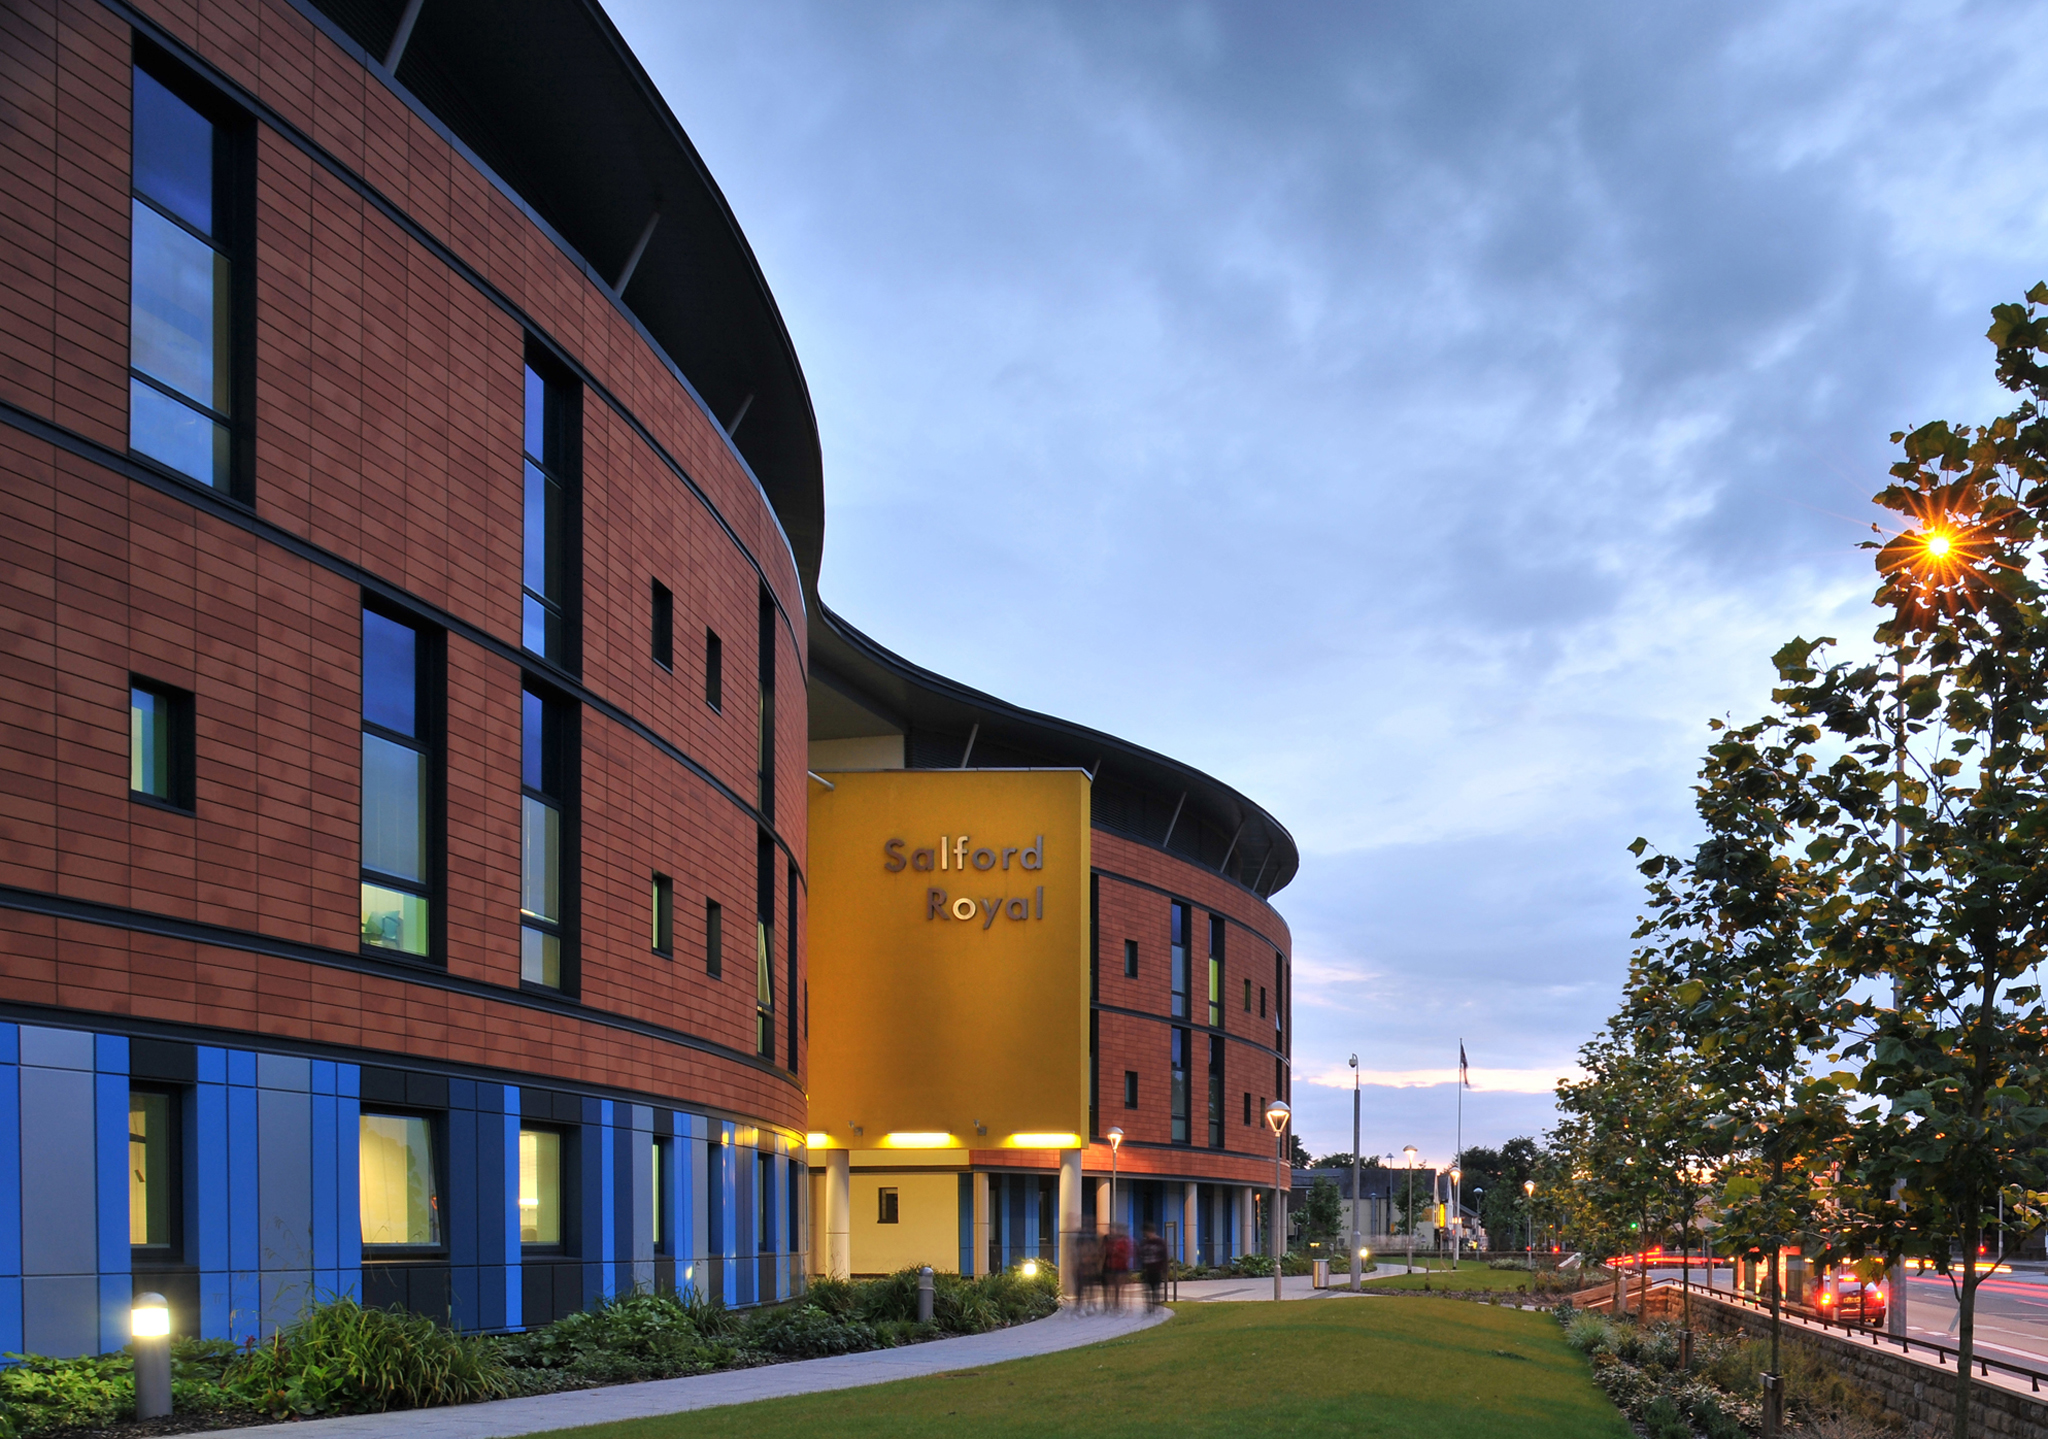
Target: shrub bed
(340, 1358)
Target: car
(1853, 1301)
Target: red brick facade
(387, 423)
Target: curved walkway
(541, 1413)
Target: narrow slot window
(1179, 1085)
(1215, 1091)
(662, 626)
(1216, 934)
(764, 1190)
(714, 670)
(160, 744)
(663, 904)
(540, 1188)
(400, 1196)
(714, 938)
(765, 729)
(1247, 994)
(764, 950)
(1247, 1107)
(886, 1208)
(658, 1198)
(181, 288)
(542, 842)
(152, 1177)
(397, 773)
(1130, 959)
(1130, 1089)
(1178, 949)
(549, 469)
(790, 981)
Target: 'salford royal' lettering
(958, 852)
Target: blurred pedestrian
(1153, 1259)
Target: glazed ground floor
(981, 1219)
(244, 1180)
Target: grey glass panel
(173, 433)
(177, 308)
(394, 919)
(394, 819)
(540, 867)
(173, 153)
(389, 673)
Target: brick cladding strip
(1141, 1042)
(388, 405)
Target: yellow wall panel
(927, 1227)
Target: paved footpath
(542, 1413)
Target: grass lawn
(1472, 1275)
(1346, 1366)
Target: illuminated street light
(1277, 1115)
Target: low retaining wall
(1910, 1387)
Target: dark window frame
(714, 671)
(714, 939)
(1218, 928)
(664, 1200)
(430, 721)
(661, 625)
(1179, 1077)
(570, 1181)
(662, 927)
(437, 1137)
(1179, 942)
(234, 236)
(560, 770)
(1216, 1086)
(562, 404)
(764, 681)
(888, 1205)
(181, 744)
(1130, 959)
(171, 1253)
(1130, 1089)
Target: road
(2012, 1311)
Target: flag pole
(1458, 1163)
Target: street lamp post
(1277, 1115)
(1457, 1215)
(1116, 1139)
(1356, 1169)
(1409, 1150)
(1529, 1213)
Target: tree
(1322, 1218)
(1496, 1177)
(1297, 1152)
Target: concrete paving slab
(543, 1413)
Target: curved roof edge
(1138, 793)
(550, 100)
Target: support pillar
(1247, 1222)
(1190, 1222)
(1070, 1217)
(838, 1213)
(977, 1254)
(1102, 1214)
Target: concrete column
(1190, 1221)
(838, 1213)
(977, 1259)
(1070, 1216)
(1102, 1215)
(1247, 1218)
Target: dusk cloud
(1421, 417)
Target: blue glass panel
(173, 154)
(176, 435)
(536, 415)
(390, 672)
(532, 715)
(537, 488)
(177, 308)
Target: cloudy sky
(1421, 416)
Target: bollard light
(1030, 1269)
(150, 1324)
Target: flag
(1464, 1071)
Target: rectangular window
(160, 744)
(1180, 1086)
(183, 282)
(1130, 1089)
(1262, 1001)
(1215, 1091)
(793, 1210)
(764, 949)
(1130, 959)
(1179, 952)
(1247, 1107)
(662, 626)
(398, 852)
(886, 1209)
(659, 1197)
(1247, 994)
(152, 1177)
(714, 938)
(764, 1190)
(540, 1187)
(1279, 990)
(765, 732)
(789, 942)
(714, 670)
(399, 1186)
(663, 903)
(1215, 970)
(548, 575)
(542, 842)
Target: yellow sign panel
(949, 958)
